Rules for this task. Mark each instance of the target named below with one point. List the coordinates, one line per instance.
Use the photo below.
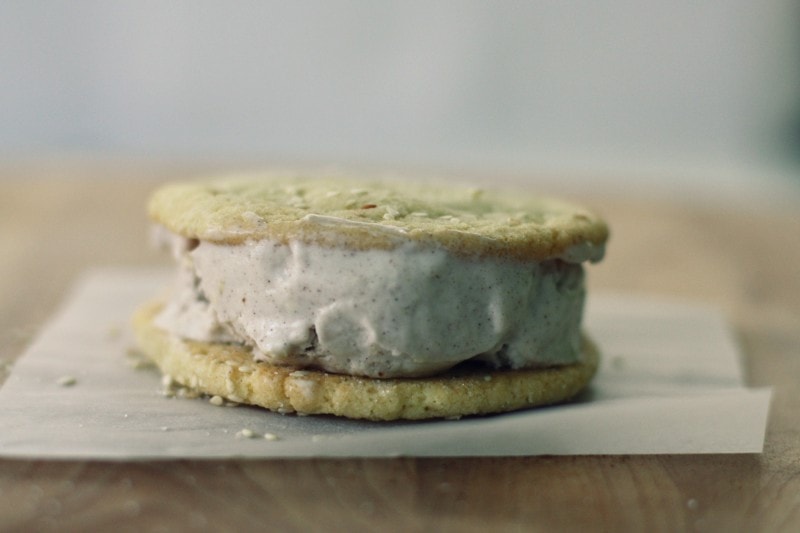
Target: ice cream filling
(410, 311)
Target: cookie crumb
(137, 362)
(270, 436)
(67, 381)
(216, 400)
(190, 394)
(245, 434)
(391, 213)
(114, 332)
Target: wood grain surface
(60, 217)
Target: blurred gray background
(582, 86)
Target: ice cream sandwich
(381, 300)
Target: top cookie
(363, 215)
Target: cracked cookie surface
(362, 215)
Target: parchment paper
(670, 383)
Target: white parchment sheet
(669, 383)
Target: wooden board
(56, 219)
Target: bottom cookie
(229, 371)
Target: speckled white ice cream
(409, 311)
